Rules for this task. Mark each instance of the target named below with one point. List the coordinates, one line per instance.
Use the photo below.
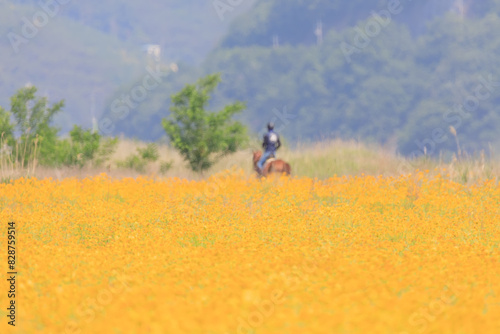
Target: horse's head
(256, 156)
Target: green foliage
(165, 166)
(149, 153)
(38, 142)
(134, 162)
(6, 127)
(106, 148)
(202, 137)
(139, 161)
(32, 117)
(84, 147)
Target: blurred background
(395, 73)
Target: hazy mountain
(87, 50)
(294, 21)
(391, 79)
(388, 71)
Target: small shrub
(149, 153)
(138, 161)
(133, 162)
(165, 166)
(38, 142)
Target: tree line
(28, 137)
(398, 85)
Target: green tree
(83, 147)
(6, 127)
(140, 160)
(38, 142)
(202, 137)
(32, 117)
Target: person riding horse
(271, 144)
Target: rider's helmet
(270, 126)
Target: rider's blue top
(271, 142)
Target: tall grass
(316, 160)
(18, 161)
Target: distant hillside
(294, 21)
(185, 29)
(432, 65)
(91, 49)
(65, 60)
(403, 87)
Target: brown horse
(273, 166)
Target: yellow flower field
(232, 254)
